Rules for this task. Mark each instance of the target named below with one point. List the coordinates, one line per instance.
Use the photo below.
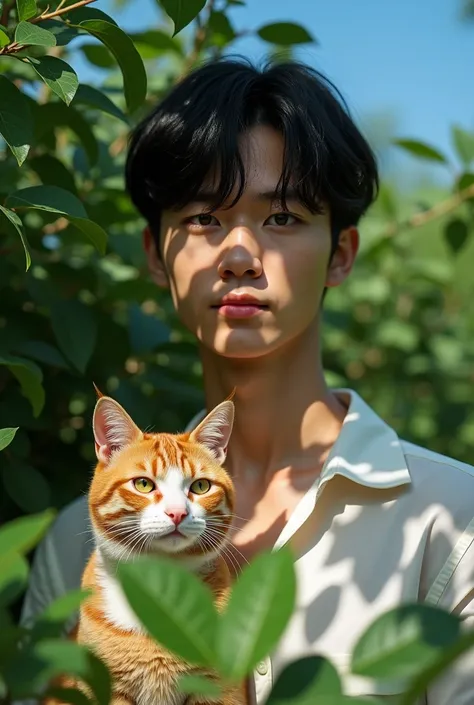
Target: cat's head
(159, 492)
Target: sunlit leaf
(33, 34)
(18, 225)
(21, 535)
(16, 122)
(4, 39)
(182, 12)
(422, 150)
(464, 144)
(6, 436)
(285, 33)
(58, 75)
(26, 9)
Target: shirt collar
(367, 450)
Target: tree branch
(60, 11)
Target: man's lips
(240, 308)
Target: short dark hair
(194, 132)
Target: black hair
(194, 132)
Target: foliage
(76, 306)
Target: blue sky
(411, 59)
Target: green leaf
(98, 55)
(156, 40)
(182, 12)
(13, 577)
(27, 487)
(285, 34)
(4, 39)
(199, 685)
(58, 75)
(51, 621)
(176, 608)
(75, 328)
(146, 332)
(465, 181)
(464, 144)
(302, 681)
(83, 14)
(16, 122)
(221, 28)
(260, 605)
(128, 58)
(52, 172)
(42, 352)
(21, 535)
(36, 665)
(30, 378)
(403, 641)
(63, 32)
(52, 115)
(6, 436)
(62, 202)
(33, 34)
(26, 9)
(456, 233)
(18, 225)
(422, 150)
(88, 95)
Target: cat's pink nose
(176, 515)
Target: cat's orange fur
(143, 672)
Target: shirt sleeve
(59, 562)
(454, 592)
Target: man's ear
(155, 263)
(343, 259)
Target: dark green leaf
(463, 144)
(4, 39)
(33, 34)
(198, 685)
(52, 172)
(221, 27)
(146, 332)
(285, 33)
(30, 378)
(18, 225)
(52, 115)
(16, 122)
(62, 31)
(456, 234)
(6, 436)
(36, 665)
(465, 181)
(51, 621)
(98, 55)
(57, 200)
(182, 12)
(260, 605)
(403, 641)
(302, 681)
(75, 328)
(58, 75)
(13, 577)
(21, 535)
(27, 487)
(83, 14)
(26, 9)
(88, 95)
(128, 58)
(174, 605)
(422, 150)
(156, 40)
(42, 352)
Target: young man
(252, 184)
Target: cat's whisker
(229, 545)
(223, 549)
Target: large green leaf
(285, 34)
(128, 58)
(464, 144)
(26, 9)
(6, 436)
(75, 327)
(52, 172)
(62, 202)
(27, 487)
(33, 34)
(98, 55)
(36, 665)
(422, 150)
(21, 535)
(221, 27)
(260, 605)
(63, 32)
(156, 41)
(199, 685)
(303, 681)
(16, 122)
(13, 577)
(4, 38)
(30, 378)
(456, 233)
(57, 74)
(174, 605)
(84, 14)
(52, 115)
(12, 218)
(88, 95)
(182, 12)
(403, 641)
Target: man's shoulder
(73, 519)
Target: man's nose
(242, 255)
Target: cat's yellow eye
(143, 484)
(200, 486)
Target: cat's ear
(113, 428)
(214, 431)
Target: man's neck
(286, 418)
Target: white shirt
(385, 523)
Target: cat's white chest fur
(116, 607)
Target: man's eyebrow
(273, 195)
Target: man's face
(255, 249)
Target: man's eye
(203, 220)
(281, 219)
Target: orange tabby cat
(158, 494)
